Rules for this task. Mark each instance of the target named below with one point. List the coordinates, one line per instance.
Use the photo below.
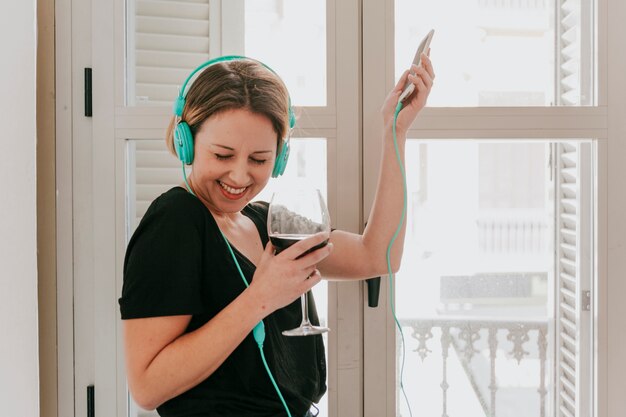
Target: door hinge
(88, 97)
(91, 409)
(586, 300)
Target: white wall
(19, 366)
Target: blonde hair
(239, 84)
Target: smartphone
(423, 47)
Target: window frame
(598, 122)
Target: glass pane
(501, 52)
(290, 36)
(152, 170)
(473, 292)
(167, 39)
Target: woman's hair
(238, 84)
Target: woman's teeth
(231, 189)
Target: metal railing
(513, 4)
(480, 338)
(512, 235)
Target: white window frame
(601, 122)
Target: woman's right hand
(281, 279)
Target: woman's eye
(222, 157)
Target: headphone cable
(391, 242)
(259, 330)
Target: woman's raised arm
(364, 256)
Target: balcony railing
(513, 4)
(476, 340)
(522, 233)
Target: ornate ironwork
(422, 334)
(464, 336)
(518, 335)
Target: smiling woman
(233, 119)
(191, 327)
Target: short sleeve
(163, 264)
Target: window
(497, 272)
(474, 295)
(502, 52)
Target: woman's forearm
(386, 213)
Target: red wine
(282, 242)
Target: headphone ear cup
(292, 118)
(281, 160)
(183, 143)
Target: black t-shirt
(177, 263)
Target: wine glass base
(306, 331)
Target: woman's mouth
(231, 193)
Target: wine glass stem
(304, 302)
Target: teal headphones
(183, 138)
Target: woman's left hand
(423, 81)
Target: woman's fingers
(423, 81)
(280, 279)
(315, 256)
(400, 84)
(299, 248)
(421, 73)
(311, 280)
(310, 271)
(428, 65)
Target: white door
(490, 314)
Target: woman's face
(234, 153)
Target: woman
(188, 318)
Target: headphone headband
(179, 103)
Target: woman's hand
(280, 279)
(423, 81)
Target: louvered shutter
(156, 171)
(573, 276)
(574, 52)
(171, 38)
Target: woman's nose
(239, 174)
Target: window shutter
(573, 276)
(574, 52)
(156, 171)
(171, 39)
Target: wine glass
(296, 214)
